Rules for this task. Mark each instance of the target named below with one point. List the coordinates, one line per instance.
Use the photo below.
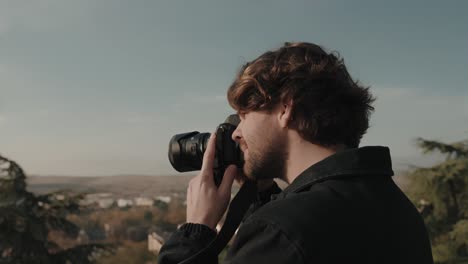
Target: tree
(26, 219)
(441, 195)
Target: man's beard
(268, 163)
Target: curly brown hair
(328, 106)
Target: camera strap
(237, 209)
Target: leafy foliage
(26, 219)
(441, 194)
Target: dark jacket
(343, 209)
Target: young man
(302, 118)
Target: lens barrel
(186, 150)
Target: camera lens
(186, 150)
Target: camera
(186, 150)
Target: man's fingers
(208, 157)
(228, 179)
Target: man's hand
(206, 203)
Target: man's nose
(236, 135)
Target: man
(302, 118)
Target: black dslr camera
(186, 150)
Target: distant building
(106, 203)
(86, 202)
(82, 238)
(108, 229)
(95, 198)
(124, 203)
(60, 197)
(166, 199)
(143, 201)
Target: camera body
(186, 150)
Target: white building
(94, 198)
(60, 197)
(97, 196)
(166, 199)
(105, 202)
(143, 201)
(124, 203)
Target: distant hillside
(128, 186)
(120, 185)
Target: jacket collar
(370, 160)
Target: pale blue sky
(99, 87)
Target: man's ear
(285, 113)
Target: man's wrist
(200, 221)
(197, 228)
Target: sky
(98, 87)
